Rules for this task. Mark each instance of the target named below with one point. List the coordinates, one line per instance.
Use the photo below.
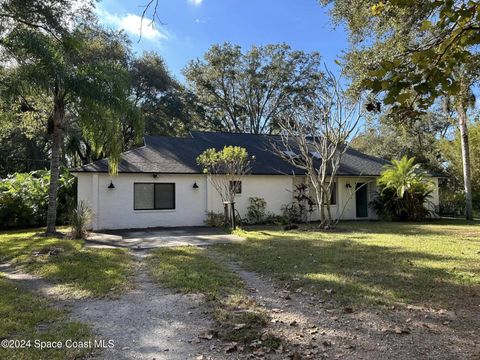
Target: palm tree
(460, 104)
(82, 74)
(404, 189)
(402, 175)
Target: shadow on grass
(26, 317)
(364, 267)
(455, 227)
(83, 272)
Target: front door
(361, 200)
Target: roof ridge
(368, 155)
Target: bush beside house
(24, 199)
(403, 192)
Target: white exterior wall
(276, 190)
(346, 203)
(113, 208)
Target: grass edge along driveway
(371, 263)
(191, 269)
(78, 272)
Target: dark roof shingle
(174, 155)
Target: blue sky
(190, 27)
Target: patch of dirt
(149, 322)
(312, 327)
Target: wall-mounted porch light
(111, 186)
(195, 186)
(348, 186)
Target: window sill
(155, 211)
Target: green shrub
(276, 219)
(215, 219)
(292, 213)
(24, 198)
(80, 220)
(301, 209)
(404, 190)
(256, 210)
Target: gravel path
(147, 322)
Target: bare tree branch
(315, 135)
(154, 17)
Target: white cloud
(134, 25)
(195, 2)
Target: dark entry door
(361, 200)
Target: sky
(189, 27)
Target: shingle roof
(175, 155)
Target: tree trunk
(329, 214)
(57, 139)
(322, 209)
(462, 124)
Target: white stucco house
(160, 183)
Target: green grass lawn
(190, 270)
(78, 272)
(193, 270)
(24, 316)
(364, 263)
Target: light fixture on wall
(348, 186)
(195, 186)
(111, 186)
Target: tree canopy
(451, 150)
(75, 76)
(247, 91)
(389, 140)
(410, 55)
(226, 168)
(413, 52)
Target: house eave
(201, 173)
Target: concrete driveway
(159, 237)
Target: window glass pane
(143, 196)
(164, 196)
(333, 198)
